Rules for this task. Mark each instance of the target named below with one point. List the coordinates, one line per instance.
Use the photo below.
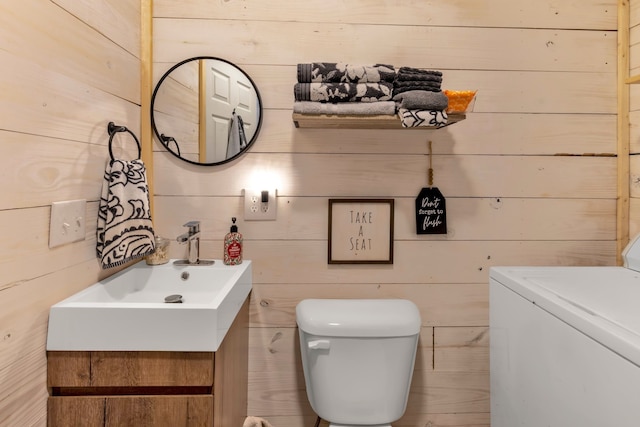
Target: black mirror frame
(159, 136)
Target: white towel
(256, 422)
(125, 231)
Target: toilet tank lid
(358, 317)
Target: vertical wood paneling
(69, 68)
(632, 97)
(623, 207)
(629, 123)
(146, 88)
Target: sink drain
(173, 299)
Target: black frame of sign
(360, 231)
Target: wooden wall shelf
(325, 121)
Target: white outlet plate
(257, 210)
(67, 222)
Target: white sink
(128, 312)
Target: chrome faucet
(192, 238)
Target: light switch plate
(67, 223)
(255, 209)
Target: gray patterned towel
(125, 231)
(343, 92)
(336, 72)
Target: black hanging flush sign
(431, 210)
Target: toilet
(358, 357)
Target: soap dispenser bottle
(233, 245)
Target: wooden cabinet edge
(231, 374)
(327, 121)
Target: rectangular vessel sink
(128, 312)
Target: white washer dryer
(565, 345)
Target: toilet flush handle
(319, 344)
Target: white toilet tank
(358, 357)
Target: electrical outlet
(67, 223)
(260, 205)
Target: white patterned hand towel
(125, 231)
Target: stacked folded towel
(416, 79)
(331, 72)
(350, 89)
(419, 97)
(337, 88)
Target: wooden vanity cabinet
(138, 389)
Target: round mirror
(206, 111)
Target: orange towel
(256, 422)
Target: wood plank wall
(530, 176)
(634, 119)
(68, 68)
